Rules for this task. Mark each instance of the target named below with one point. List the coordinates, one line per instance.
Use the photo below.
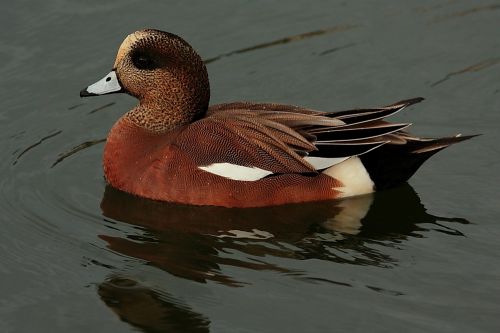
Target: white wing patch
(249, 174)
(324, 162)
(236, 172)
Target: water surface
(78, 256)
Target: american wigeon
(174, 147)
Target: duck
(175, 147)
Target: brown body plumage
(174, 147)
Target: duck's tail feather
(358, 116)
(392, 164)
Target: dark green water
(77, 257)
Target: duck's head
(163, 71)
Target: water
(77, 256)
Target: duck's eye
(143, 61)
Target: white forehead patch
(126, 46)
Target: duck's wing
(250, 140)
(252, 106)
(254, 142)
(348, 116)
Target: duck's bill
(107, 85)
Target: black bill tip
(85, 93)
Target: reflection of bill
(147, 309)
(193, 242)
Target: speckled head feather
(167, 76)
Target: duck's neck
(164, 116)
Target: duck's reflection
(193, 242)
(196, 242)
(147, 309)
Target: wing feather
(278, 139)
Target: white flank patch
(353, 175)
(106, 85)
(323, 162)
(236, 172)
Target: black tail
(393, 164)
